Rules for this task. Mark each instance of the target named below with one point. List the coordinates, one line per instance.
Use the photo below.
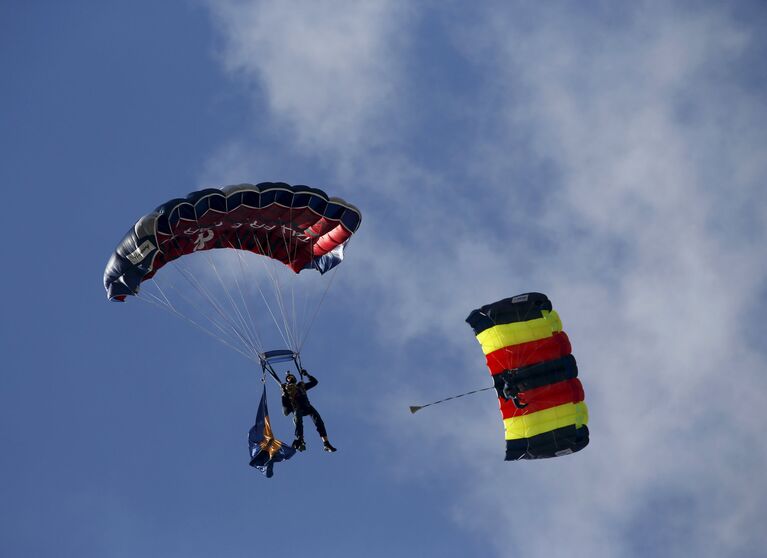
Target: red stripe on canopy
(532, 352)
(539, 399)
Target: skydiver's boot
(327, 447)
(298, 444)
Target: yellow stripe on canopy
(527, 426)
(503, 335)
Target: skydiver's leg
(320, 424)
(298, 443)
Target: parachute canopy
(535, 376)
(252, 296)
(297, 225)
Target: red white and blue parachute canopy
(301, 227)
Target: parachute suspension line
(317, 309)
(304, 315)
(281, 302)
(245, 310)
(291, 254)
(283, 306)
(297, 334)
(293, 312)
(214, 303)
(243, 275)
(263, 296)
(279, 295)
(269, 271)
(200, 310)
(280, 299)
(154, 300)
(266, 367)
(243, 324)
(185, 272)
(162, 292)
(296, 327)
(217, 317)
(246, 329)
(233, 317)
(415, 408)
(150, 298)
(298, 320)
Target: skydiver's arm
(311, 383)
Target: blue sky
(609, 156)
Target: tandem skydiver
(295, 400)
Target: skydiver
(295, 400)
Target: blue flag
(265, 449)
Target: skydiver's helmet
(290, 378)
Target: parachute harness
(269, 358)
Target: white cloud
(325, 69)
(618, 168)
(664, 339)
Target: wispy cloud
(611, 158)
(654, 283)
(324, 69)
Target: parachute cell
(535, 376)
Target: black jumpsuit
(295, 400)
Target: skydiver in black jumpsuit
(295, 400)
